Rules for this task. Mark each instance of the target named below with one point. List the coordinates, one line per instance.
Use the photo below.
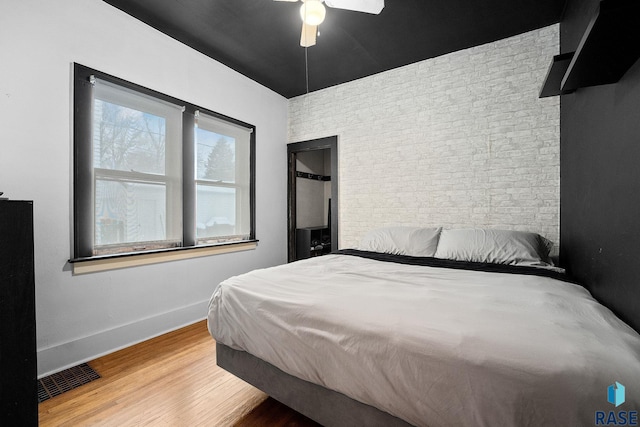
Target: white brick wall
(457, 140)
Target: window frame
(84, 179)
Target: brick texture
(459, 140)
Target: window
(137, 161)
(152, 172)
(222, 180)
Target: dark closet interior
(313, 198)
(313, 194)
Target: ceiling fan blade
(308, 36)
(367, 6)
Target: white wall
(79, 317)
(458, 140)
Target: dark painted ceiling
(260, 38)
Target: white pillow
(494, 246)
(399, 240)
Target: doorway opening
(312, 198)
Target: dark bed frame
(322, 405)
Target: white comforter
(434, 346)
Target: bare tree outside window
(129, 139)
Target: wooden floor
(172, 380)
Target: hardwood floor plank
(171, 380)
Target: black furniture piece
(18, 370)
(312, 241)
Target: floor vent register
(66, 380)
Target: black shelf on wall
(608, 48)
(313, 176)
(556, 72)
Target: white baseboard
(73, 353)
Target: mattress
(434, 345)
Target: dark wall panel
(600, 180)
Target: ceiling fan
(313, 12)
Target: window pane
(127, 139)
(137, 161)
(129, 212)
(216, 156)
(223, 205)
(215, 212)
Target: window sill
(112, 262)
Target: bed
(427, 327)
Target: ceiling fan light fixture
(312, 12)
